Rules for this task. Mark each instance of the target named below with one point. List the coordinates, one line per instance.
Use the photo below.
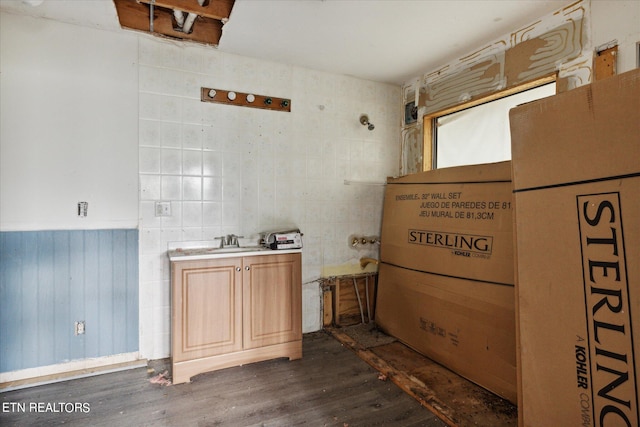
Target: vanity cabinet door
(207, 308)
(272, 294)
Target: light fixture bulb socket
(364, 120)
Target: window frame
(429, 136)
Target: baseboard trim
(32, 377)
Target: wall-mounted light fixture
(241, 99)
(364, 120)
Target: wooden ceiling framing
(207, 27)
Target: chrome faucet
(230, 240)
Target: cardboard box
(576, 170)
(445, 285)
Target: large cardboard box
(576, 170)
(445, 285)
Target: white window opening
(480, 134)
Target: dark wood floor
(329, 386)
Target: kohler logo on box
(612, 371)
(463, 243)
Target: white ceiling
(382, 40)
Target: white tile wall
(228, 169)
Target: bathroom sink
(190, 253)
(239, 249)
(209, 251)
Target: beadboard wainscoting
(51, 279)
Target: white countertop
(191, 254)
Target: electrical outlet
(83, 208)
(79, 327)
(163, 208)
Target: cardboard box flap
(591, 121)
(467, 327)
(453, 222)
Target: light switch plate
(163, 208)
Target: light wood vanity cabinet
(232, 311)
